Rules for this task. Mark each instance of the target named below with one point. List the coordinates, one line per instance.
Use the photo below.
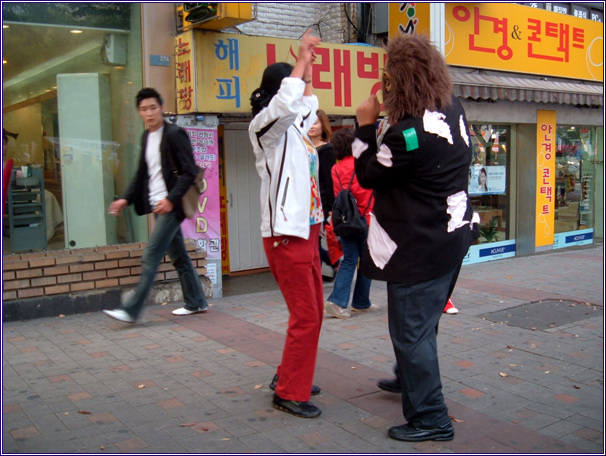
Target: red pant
(295, 264)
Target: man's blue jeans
(167, 238)
(353, 248)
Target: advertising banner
(231, 67)
(510, 37)
(546, 151)
(487, 180)
(186, 73)
(204, 226)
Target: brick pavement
(199, 384)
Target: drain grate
(546, 314)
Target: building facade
(69, 90)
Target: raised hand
(306, 56)
(368, 111)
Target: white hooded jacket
(278, 135)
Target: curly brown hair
(419, 78)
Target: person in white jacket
(284, 109)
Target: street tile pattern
(200, 384)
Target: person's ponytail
(270, 84)
(259, 100)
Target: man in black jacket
(158, 187)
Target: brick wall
(34, 275)
(290, 20)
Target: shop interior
(488, 180)
(574, 179)
(65, 124)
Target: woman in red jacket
(342, 173)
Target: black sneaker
(300, 409)
(315, 390)
(409, 433)
(392, 385)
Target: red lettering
(499, 26)
(182, 48)
(270, 50)
(342, 69)
(553, 31)
(578, 38)
(321, 67)
(372, 62)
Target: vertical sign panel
(545, 209)
(204, 226)
(223, 203)
(185, 67)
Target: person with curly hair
(422, 224)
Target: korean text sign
(186, 75)
(509, 37)
(343, 75)
(546, 141)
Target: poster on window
(487, 180)
(204, 227)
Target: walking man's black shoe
(392, 385)
(300, 409)
(315, 390)
(409, 433)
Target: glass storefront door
(575, 174)
(489, 180)
(70, 75)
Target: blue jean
(352, 250)
(167, 238)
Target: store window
(488, 180)
(70, 75)
(575, 175)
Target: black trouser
(414, 312)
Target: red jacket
(341, 175)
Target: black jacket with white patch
(421, 228)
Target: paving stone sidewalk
(514, 383)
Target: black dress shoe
(300, 409)
(392, 385)
(409, 433)
(315, 390)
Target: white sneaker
(184, 311)
(336, 311)
(120, 315)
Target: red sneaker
(450, 308)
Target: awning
(487, 87)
